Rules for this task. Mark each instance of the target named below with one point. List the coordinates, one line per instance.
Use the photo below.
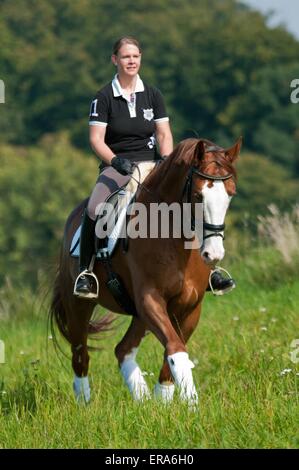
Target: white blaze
(216, 202)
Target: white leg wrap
(132, 375)
(164, 392)
(180, 366)
(81, 389)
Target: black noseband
(215, 229)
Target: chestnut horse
(165, 281)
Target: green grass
(240, 348)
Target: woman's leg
(108, 182)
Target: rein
(142, 186)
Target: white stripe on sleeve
(98, 123)
(165, 119)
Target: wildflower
(263, 328)
(285, 371)
(22, 353)
(236, 318)
(50, 337)
(262, 309)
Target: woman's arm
(164, 138)
(97, 142)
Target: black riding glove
(122, 165)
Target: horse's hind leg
(126, 352)
(78, 333)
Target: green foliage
(39, 186)
(222, 70)
(261, 182)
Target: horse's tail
(58, 315)
(60, 308)
(57, 312)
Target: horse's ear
(199, 151)
(234, 151)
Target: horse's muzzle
(212, 257)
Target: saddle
(119, 202)
(104, 248)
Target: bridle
(215, 229)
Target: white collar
(118, 91)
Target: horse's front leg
(126, 352)
(164, 388)
(152, 309)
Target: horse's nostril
(205, 254)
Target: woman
(126, 119)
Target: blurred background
(224, 68)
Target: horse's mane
(183, 154)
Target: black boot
(220, 284)
(84, 285)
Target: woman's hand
(122, 165)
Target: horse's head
(213, 182)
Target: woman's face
(128, 60)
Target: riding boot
(84, 285)
(220, 284)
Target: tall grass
(282, 230)
(242, 350)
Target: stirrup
(90, 295)
(220, 292)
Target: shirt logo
(152, 142)
(148, 114)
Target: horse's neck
(171, 184)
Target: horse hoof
(164, 392)
(81, 389)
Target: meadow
(246, 370)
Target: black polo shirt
(130, 121)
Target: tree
(39, 186)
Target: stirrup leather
(220, 292)
(90, 295)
